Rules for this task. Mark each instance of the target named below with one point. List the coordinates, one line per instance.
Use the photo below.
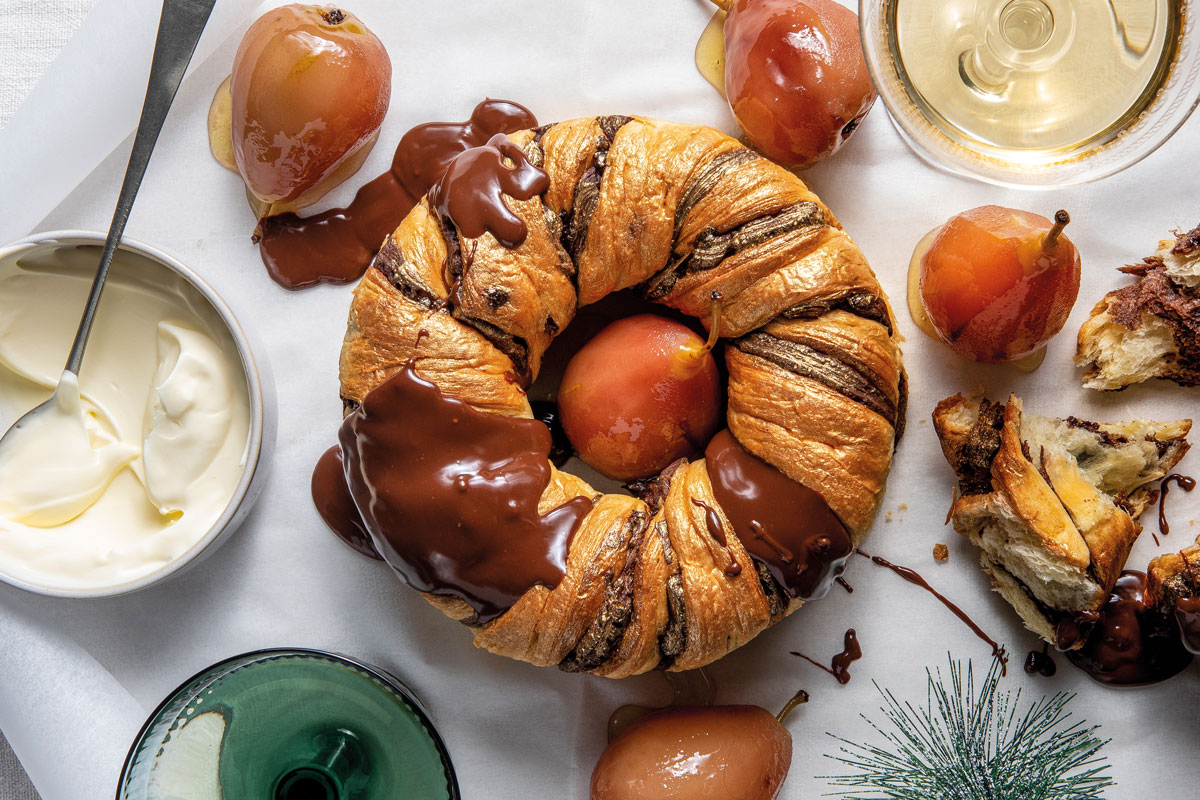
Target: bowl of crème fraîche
(167, 438)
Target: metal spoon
(179, 29)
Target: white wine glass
(1034, 93)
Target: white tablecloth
(514, 730)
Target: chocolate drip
(1184, 482)
(1134, 643)
(712, 521)
(1040, 662)
(471, 192)
(450, 494)
(787, 527)
(845, 584)
(337, 246)
(335, 505)
(840, 667)
(862, 387)
(1187, 616)
(914, 577)
(546, 412)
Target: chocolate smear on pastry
(450, 494)
(783, 525)
(336, 246)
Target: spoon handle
(179, 29)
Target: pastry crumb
(888, 517)
(904, 506)
(941, 552)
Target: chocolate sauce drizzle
(1134, 643)
(450, 494)
(471, 193)
(1040, 662)
(784, 525)
(336, 246)
(1184, 482)
(913, 577)
(335, 505)
(840, 666)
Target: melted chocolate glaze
(1183, 482)
(787, 527)
(840, 666)
(1040, 662)
(914, 577)
(335, 505)
(1134, 644)
(1187, 616)
(471, 193)
(1073, 629)
(450, 494)
(336, 246)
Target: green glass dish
(289, 725)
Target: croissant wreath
(450, 325)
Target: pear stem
(714, 331)
(1061, 218)
(798, 699)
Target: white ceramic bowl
(263, 416)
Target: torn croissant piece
(667, 579)
(1173, 576)
(1052, 503)
(1150, 328)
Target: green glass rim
(387, 679)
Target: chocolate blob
(1040, 662)
(1133, 644)
(336, 246)
(786, 526)
(450, 494)
(332, 498)
(712, 521)
(471, 193)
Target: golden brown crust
(680, 211)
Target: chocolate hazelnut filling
(707, 178)
(712, 247)
(805, 360)
(587, 190)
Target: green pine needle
(967, 746)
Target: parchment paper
(515, 730)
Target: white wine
(1032, 82)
